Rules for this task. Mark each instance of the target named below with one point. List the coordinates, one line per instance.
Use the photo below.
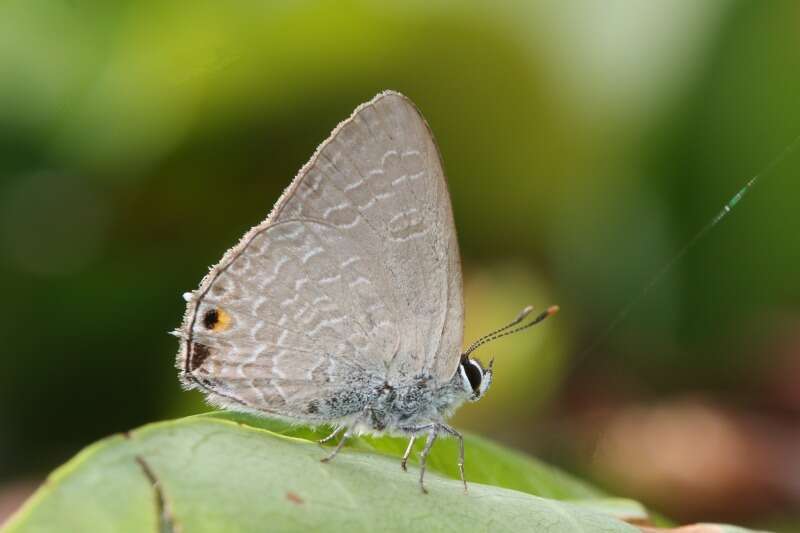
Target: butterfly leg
(336, 450)
(456, 434)
(408, 453)
(432, 434)
(333, 434)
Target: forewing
(379, 179)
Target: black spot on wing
(199, 353)
(211, 318)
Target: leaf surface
(232, 472)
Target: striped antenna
(506, 330)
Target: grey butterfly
(344, 307)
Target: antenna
(623, 313)
(502, 332)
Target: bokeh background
(585, 143)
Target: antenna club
(507, 330)
(522, 314)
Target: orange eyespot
(216, 320)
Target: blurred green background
(585, 143)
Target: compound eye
(474, 372)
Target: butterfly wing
(353, 278)
(281, 326)
(379, 178)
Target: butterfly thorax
(400, 408)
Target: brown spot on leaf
(294, 498)
(166, 520)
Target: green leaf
(486, 462)
(232, 472)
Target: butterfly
(344, 307)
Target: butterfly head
(475, 378)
